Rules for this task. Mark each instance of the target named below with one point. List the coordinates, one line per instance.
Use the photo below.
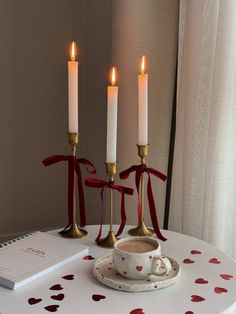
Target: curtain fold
(203, 198)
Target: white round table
(207, 284)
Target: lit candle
(73, 92)
(143, 106)
(112, 99)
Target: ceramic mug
(140, 257)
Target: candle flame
(73, 51)
(143, 65)
(113, 76)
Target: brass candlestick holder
(72, 230)
(141, 229)
(110, 239)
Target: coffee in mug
(139, 257)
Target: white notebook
(34, 255)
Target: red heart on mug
(197, 298)
(88, 258)
(68, 277)
(188, 261)
(226, 276)
(98, 297)
(201, 281)
(214, 260)
(220, 290)
(139, 268)
(51, 308)
(137, 311)
(56, 287)
(33, 301)
(195, 252)
(58, 297)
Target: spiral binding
(13, 241)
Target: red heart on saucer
(220, 290)
(197, 298)
(139, 268)
(98, 297)
(188, 261)
(137, 311)
(68, 277)
(56, 287)
(201, 281)
(226, 276)
(58, 297)
(33, 301)
(51, 308)
(214, 260)
(195, 252)
(88, 257)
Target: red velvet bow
(73, 167)
(97, 183)
(139, 169)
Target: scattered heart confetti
(137, 311)
(188, 261)
(214, 260)
(197, 298)
(33, 301)
(150, 257)
(139, 268)
(220, 290)
(68, 277)
(51, 308)
(226, 276)
(56, 287)
(58, 297)
(88, 258)
(122, 258)
(98, 297)
(125, 272)
(189, 312)
(201, 281)
(195, 252)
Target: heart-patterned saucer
(104, 271)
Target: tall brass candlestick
(72, 230)
(141, 229)
(110, 239)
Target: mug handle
(157, 262)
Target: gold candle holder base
(109, 241)
(73, 231)
(141, 230)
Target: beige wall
(145, 27)
(35, 36)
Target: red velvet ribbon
(139, 170)
(97, 183)
(73, 167)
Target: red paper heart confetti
(68, 277)
(150, 257)
(56, 287)
(125, 272)
(122, 258)
(88, 258)
(197, 298)
(188, 261)
(51, 308)
(58, 297)
(33, 301)
(195, 252)
(226, 276)
(139, 268)
(220, 290)
(201, 281)
(98, 297)
(189, 312)
(137, 311)
(214, 260)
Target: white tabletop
(81, 294)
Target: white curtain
(203, 200)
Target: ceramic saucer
(104, 271)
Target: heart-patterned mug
(140, 257)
